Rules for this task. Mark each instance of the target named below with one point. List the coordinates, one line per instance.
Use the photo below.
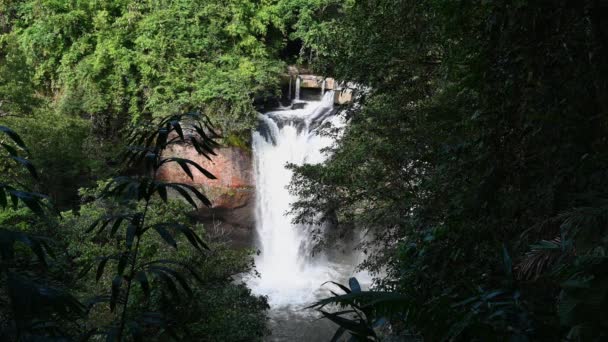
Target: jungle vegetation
(476, 159)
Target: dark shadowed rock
(298, 105)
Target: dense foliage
(73, 75)
(88, 68)
(476, 157)
(142, 282)
(477, 160)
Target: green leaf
(143, 281)
(199, 148)
(185, 163)
(116, 283)
(101, 267)
(116, 225)
(186, 266)
(130, 235)
(166, 236)
(180, 279)
(344, 288)
(10, 149)
(356, 327)
(161, 141)
(122, 263)
(93, 225)
(354, 285)
(168, 281)
(14, 136)
(192, 237)
(162, 191)
(178, 128)
(183, 193)
(198, 194)
(338, 334)
(3, 200)
(26, 163)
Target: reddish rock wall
(232, 193)
(232, 166)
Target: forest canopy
(476, 162)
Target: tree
(130, 269)
(483, 131)
(36, 306)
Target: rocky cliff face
(232, 193)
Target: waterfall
(298, 81)
(323, 87)
(288, 275)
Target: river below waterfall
(289, 275)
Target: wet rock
(298, 105)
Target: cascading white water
(298, 82)
(288, 276)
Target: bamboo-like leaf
(209, 126)
(198, 194)
(85, 270)
(193, 272)
(143, 281)
(14, 136)
(161, 141)
(3, 200)
(122, 263)
(14, 199)
(27, 164)
(37, 249)
(383, 302)
(354, 285)
(30, 241)
(339, 332)
(31, 200)
(10, 149)
(93, 225)
(356, 327)
(105, 221)
(190, 235)
(168, 281)
(101, 267)
(344, 288)
(116, 283)
(178, 128)
(193, 238)
(184, 193)
(185, 163)
(199, 148)
(116, 225)
(130, 235)
(165, 235)
(176, 275)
